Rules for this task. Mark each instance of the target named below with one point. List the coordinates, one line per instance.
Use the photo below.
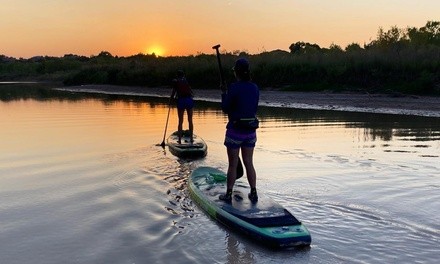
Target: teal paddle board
(186, 148)
(265, 220)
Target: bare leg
(232, 168)
(190, 123)
(180, 113)
(247, 155)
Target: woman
(240, 102)
(183, 92)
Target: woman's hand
(223, 87)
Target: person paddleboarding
(183, 93)
(240, 103)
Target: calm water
(83, 181)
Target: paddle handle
(222, 76)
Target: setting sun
(157, 50)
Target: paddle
(240, 171)
(166, 125)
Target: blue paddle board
(264, 220)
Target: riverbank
(354, 102)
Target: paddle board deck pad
(187, 149)
(264, 220)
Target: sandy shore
(372, 103)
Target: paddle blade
(240, 171)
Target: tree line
(399, 60)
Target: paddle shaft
(166, 124)
(222, 76)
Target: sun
(156, 49)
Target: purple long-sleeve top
(241, 101)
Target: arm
(174, 91)
(192, 91)
(226, 100)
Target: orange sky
(187, 27)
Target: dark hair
(180, 74)
(242, 69)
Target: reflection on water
(82, 180)
(376, 126)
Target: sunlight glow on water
(85, 182)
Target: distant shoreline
(353, 102)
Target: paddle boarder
(184, 94)
(240, 102)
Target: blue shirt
(241, 101)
